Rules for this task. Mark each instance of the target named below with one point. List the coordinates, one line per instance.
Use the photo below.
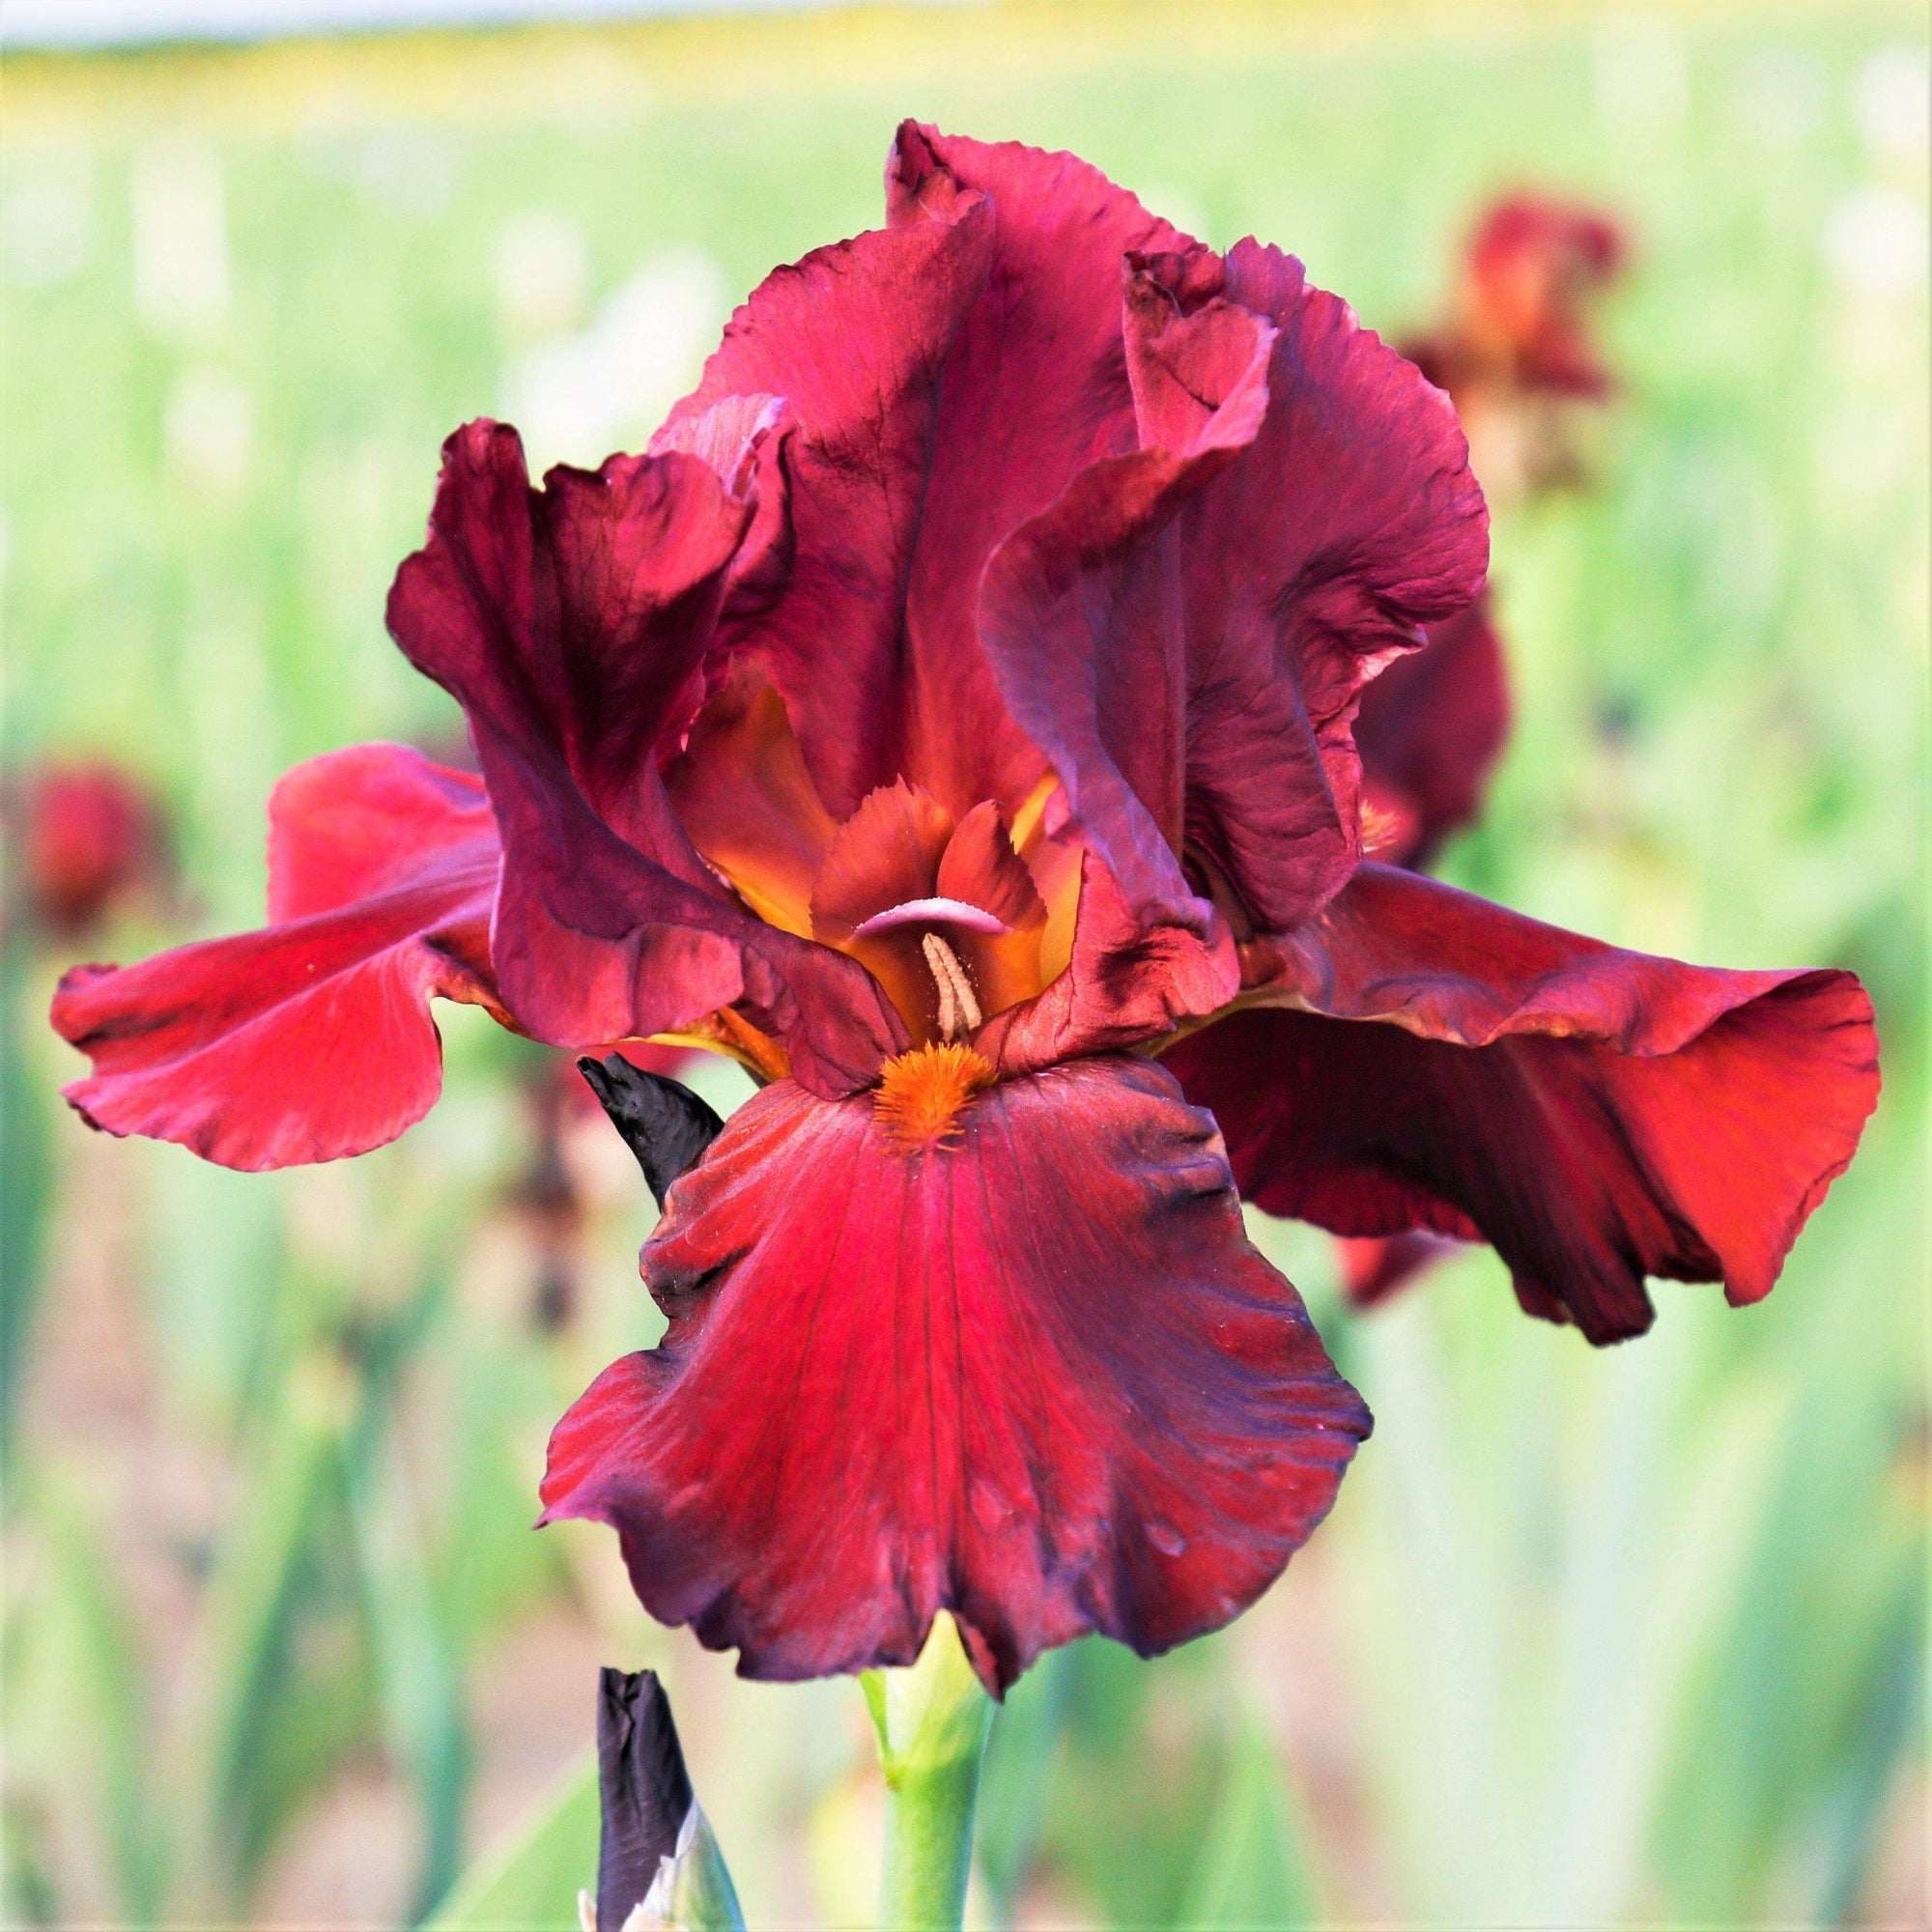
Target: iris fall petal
(1034, 1374)
(1597, 1115)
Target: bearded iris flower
(949, 717)
(1516, 351)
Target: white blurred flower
(208, 427)
(1875, 243)
(181, 237)
(1777, 96)
(543, 274)
(406, 170)
(1891, 102)
(578, 398)
(1639, 72)
(46, 222)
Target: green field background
(1622, 1638)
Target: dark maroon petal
(1353, 521)
(575, 616)
(1130, 979)
(853, 339)
(1036, 391)
(1075, 615)
(1598, 1116)
(311, 1040)
(1185, 630)
(1037, 1377)
(572, 624)
(1432, 726)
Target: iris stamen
(958, 1008)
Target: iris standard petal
(854, 339)
(1351, 522)
(572, 624)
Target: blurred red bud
(89, 836)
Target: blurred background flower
(1632, 1637)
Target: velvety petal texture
(1353, 523)
(312, 1038)
(572, 624)
(1034, 1374)
(1598, 1116)
(855, 339)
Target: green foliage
(531, 1883)
(1253, 1871)
(26, 1176)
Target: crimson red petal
(1038, 1376)
(1432, 726)
(1074, 616)
(312, 1038)
(1036, 391)
(1187, 630)
(854, 339)
(1353, 521)
(572, 625)
(1598, 1116)
(1130, 979)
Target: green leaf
(269, 1729)
(79, 1743)
(529, 1883)
(417, 1672)
(1016, 1784)
(1252, 1870)
(26, 1176)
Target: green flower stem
(932, 1722)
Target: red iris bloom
(89, 834)
(1431, 726)
(949, 712)
(1522, 314)
(1516, 351)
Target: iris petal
(1034, 1374)
(1596, 1114)
(310, 1040)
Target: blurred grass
(1633, 1638)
